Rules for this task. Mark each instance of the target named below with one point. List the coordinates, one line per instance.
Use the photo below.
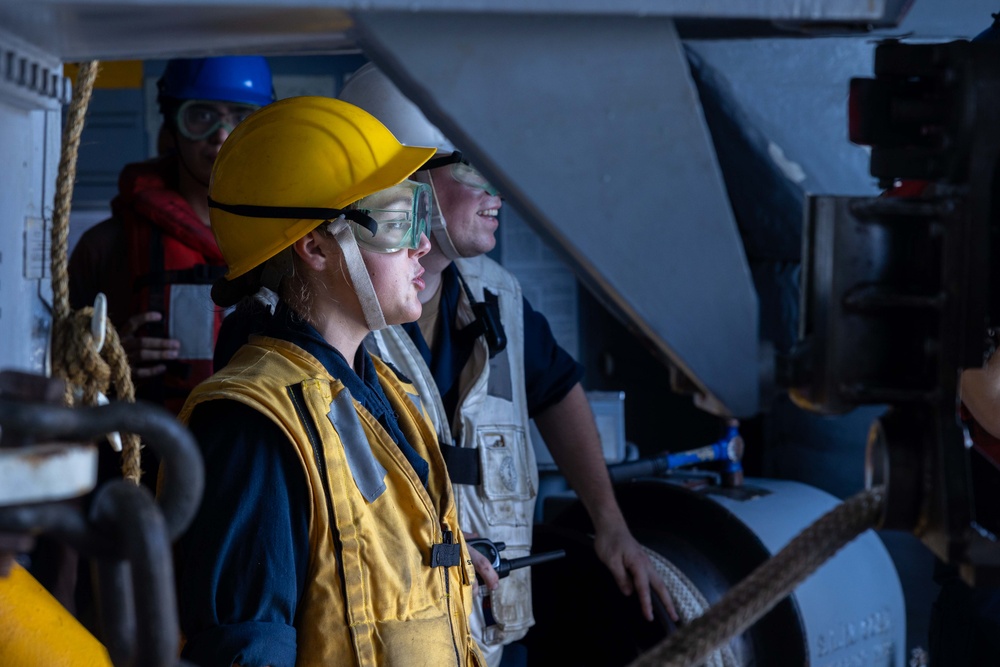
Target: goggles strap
(307, 212)
(439, 226)
(356, 268)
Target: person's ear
(313, 250)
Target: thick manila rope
(74, 357)
(690, 604)
(770, 583)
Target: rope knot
(74, 357)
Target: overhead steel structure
(582, 112)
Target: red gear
(167, 245)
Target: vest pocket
(507, 485)
(511, 604)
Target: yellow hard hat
(304, 157)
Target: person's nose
(221, 134)
(423, 247)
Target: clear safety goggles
(462, 171)
(200, 119)
(467, 175)
(397, 217)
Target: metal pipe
(115, 609)
(61, 520)
(130, 513)
(183, 471)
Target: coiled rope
(690, 604)
(770, 583)
(74, 357)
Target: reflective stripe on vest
(369, 475)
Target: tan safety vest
(373, 596)
(492, 418)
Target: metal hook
(98, 321)
(99, 333)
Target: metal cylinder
(850, 611)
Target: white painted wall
(30, 129)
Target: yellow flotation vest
(374, 595)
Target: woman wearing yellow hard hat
(328, 533)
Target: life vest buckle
(446, 554)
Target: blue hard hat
(243, 79)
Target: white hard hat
(372, 90)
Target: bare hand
(146, 353)
(483, 567)
(632, 569)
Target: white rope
(746, 602)
(690, 604)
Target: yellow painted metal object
(37, 631)
(112, 75)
